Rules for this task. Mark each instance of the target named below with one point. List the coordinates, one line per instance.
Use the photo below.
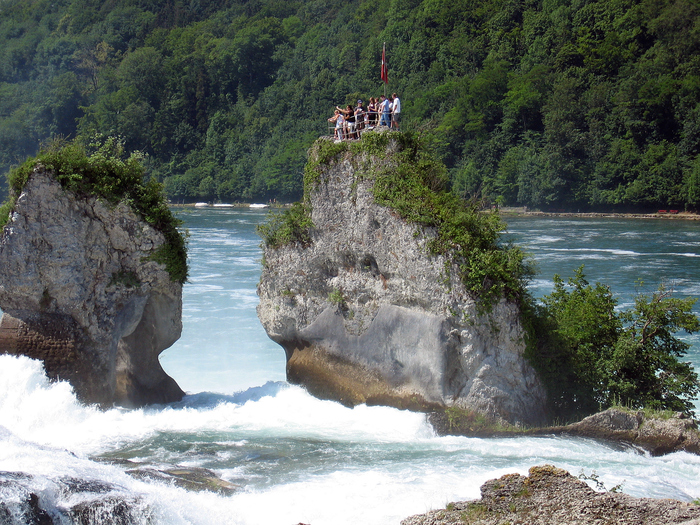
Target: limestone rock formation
(366, 315)
(551, 496)
(658, 436)
(79, 293)
(658, 433)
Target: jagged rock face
(78, 293)
(365, 315)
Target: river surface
(299, 459)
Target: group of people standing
(382, 111)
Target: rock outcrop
(79, 293)
(195, 479)
(25, 499)
(552, 496)
(658, 436)
(366, 315)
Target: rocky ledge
(29, 500)
(80, 293)
(367, 315)
(660, 433)
(551, 496)
(655, 434)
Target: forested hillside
(554, 104)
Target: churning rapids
(295, 458)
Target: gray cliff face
(365, 315)
(77, 293)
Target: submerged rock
(551, 496)
(25, 499)
(112, 510)
(366, 315)
(19, 505)
(190, 478)
(79, 292)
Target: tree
(644, 369)
(595, 357)
(544, 104)
(585, 329)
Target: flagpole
(385, 69)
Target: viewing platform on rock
(356, 136)
(341, 128)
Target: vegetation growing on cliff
(410, 180)
(287, 227)
(589, 355)
(102, 168)
(415, 184)
(592, 356)
(552, 104)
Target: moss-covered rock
(80, 291)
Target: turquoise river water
(299, 459)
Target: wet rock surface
(19, 505)
(657, 434)
(27, 500)
(189, 478)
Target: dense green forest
(552, 104)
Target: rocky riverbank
(552, 496)
(658, 434)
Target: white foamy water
(296, 458)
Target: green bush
(102, 168)
(290, 226)
(416, 186)
(592, 357)
(336, 297)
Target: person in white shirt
(339, 124)
(385, 112)
(395, 112)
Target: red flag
(385, 70)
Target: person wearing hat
(359, 117)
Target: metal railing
(353, 130)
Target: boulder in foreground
(552, 496)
